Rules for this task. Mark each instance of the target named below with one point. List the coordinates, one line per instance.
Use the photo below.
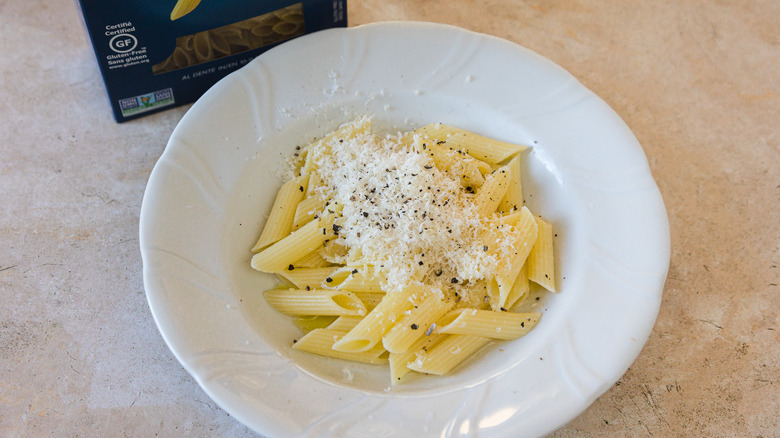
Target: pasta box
(155, 55)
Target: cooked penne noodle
(510, 266)
(379, 321)
(482, 148)
(315, 302)
(520, 289)
(308, 278)
(282, 254)
(487, 323)
(490, 194)
(308, 323)
(321, 341)
(279, 223)
(312, 260)
(458, 165)
(399, 361)
(370, 299)
(306, 210)
(344, 323)
(448, 354)
(513, 198)
(356, 279)
(414, 324)
(541, 263)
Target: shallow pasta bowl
(208, 196)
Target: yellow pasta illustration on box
(412, 250)
(230, 39)
(183, 7)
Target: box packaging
(155, 55)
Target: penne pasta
(399, 362)
(448, 354)
(487, 323)
(279, 223)
(520, 289)
(312, 260)
(513, 198)
(306, 209)
(458, 165)
(489, 196)
(298, 244)
(370, 299)
(315, 302)
(379, 321)
(482, 148)
(415, 323)
(344, 323)
(541, 263)
(356, 279)
(510, 266)
(406, 249)
(308, 278)
(321, 341)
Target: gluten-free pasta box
(155, 55)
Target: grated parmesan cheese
(404, 216)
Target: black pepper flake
(341, 140)
(428, 167)
(290, 268)
(522, 323)
(354, 271)
(441, 142)
(308, 288)
(300, 188)
(336, 229)
(420, 263)
(295, 340)
(365, 214)
(329, 280)
(438, 272)
(414, 326)
(454, 280)
(503, 310)
(485, 248)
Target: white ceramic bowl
(586, 172)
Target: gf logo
(123, 43)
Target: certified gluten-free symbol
(123, 43)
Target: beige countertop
(698, 82)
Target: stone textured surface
(697, 81)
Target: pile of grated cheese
(405, 217)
